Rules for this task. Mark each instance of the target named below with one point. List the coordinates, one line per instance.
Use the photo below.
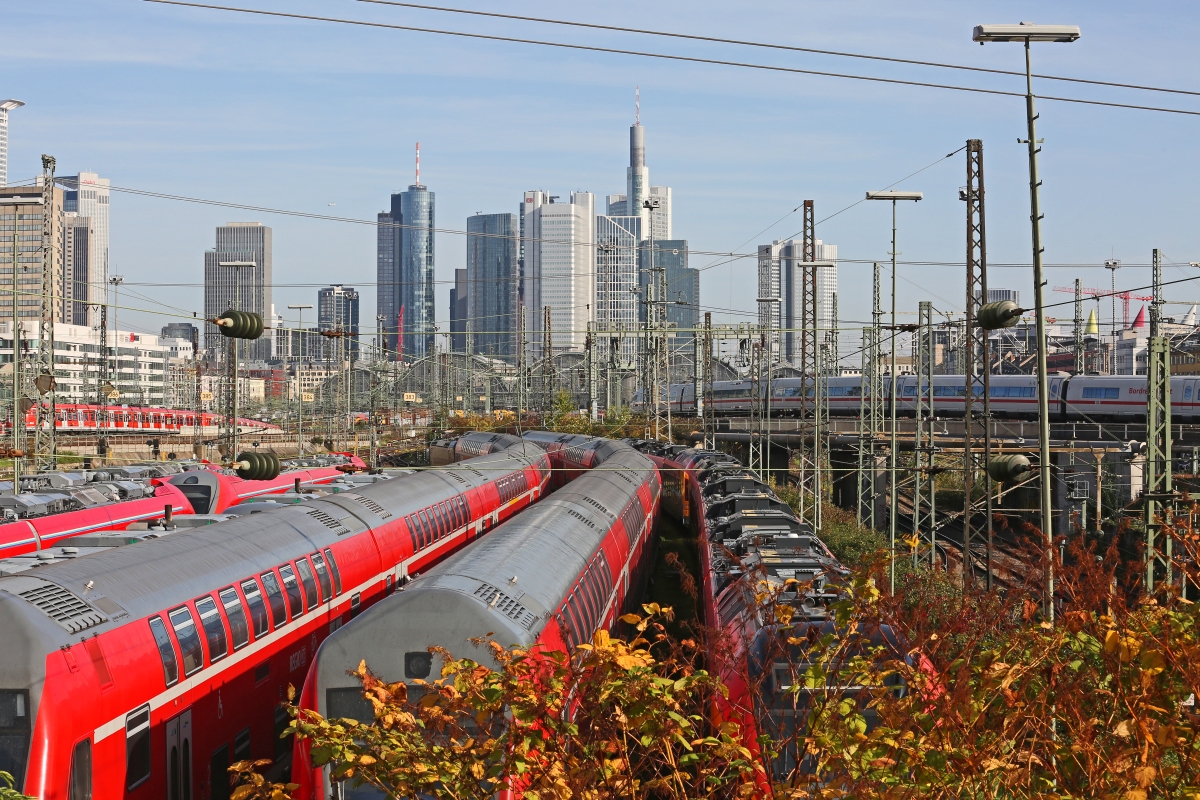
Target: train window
(235, 612)
(15, 730)
(283, 744)
(425, 528)
(214, 629)
(241, 745)
(292, 588)
(258, 609)
(333, 570)
(165, 650)
(1187, 392)
(80, 787)
(355, 604)
(306, 578)
(464, 510)
(274, 598)
(322, 576)
(188, 638)
(137, 747)
(411, 522)
(439, 524)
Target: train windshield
(14, 733)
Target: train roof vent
(506, 605)
(379, 510)
(454, 474)
(327, 521)
(57, 603)
(620, 473)
(595, 503)
(572, 512)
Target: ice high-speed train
(1079, 397)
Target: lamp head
(895, 194)
(1025, 31)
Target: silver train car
(1082, 398)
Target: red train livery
(145, 670)
(85, 417)
(548, 579)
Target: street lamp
(895, 195)
(1027, 32)
(300, 384)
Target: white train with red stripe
(547, 579)
(145, 670)
(1104, 398)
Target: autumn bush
(934, 692)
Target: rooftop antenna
(418, 164)
(637, 105)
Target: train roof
(505, 585)
(120, 584)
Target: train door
(179, 757)
(1057, 395)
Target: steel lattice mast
(1159, 484)
(924, 476)
(977, 369)
(810, 369)
(45, 445)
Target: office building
(21, 216)
(617, 299)
(405, 267)
(87, 194)
(779, 277)
(683, 289)
(76, 256)
(656, 222)
(387, 291)
(237, 274)
(560, 268)
(5, 107)
(661, 217)
(458, 312)
(337, 309)
(493, 283)
(179, 330)
(996, 295)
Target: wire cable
(666, 56)
(772, 46)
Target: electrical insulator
(1009, 467)
(257, 466)
(240, 324)
(1001, 314)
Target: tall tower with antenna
(637, 176)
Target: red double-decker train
(145, 670)
(83, 418)
(546, 580)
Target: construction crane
(1124, 297)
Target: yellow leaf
(1111, 640)
(242, 792)
(366, 759)
(1124, 729)
(1145, 775)
(630, 619)
(1153, 662)
(1135, 794)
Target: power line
(772, 46)
(666, 56)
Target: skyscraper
(23, 206)
(638, 188)
(459, 296)
(617, 301)
(76, 250)
(87, 194)
(387, 291)
(5, 107)
(683, 288)
(413, 265)
(779, 275)
(560, 267)
(493, 283)
(237, 273)
(337, 308)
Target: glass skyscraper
(683, 286)
(413, 216)
(493, 283)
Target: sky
(323, 118)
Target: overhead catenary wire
(667, 56)
(775, 46)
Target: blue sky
(297, 115)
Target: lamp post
(1028, 33)
(300, 383)
(895, 196)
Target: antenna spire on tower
(418, 183)
(637, 105)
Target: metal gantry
(1080, 353)
(810, 368)
(977, 363)
(871, 409)
(1159, 492)
(45, 449)
(924, 451)
(708, 410)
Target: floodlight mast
(1027, 32)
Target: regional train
(1105, 398)
(145, 670)
(546, 580)
(84, 418)
(55, 506)
(750, 541)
